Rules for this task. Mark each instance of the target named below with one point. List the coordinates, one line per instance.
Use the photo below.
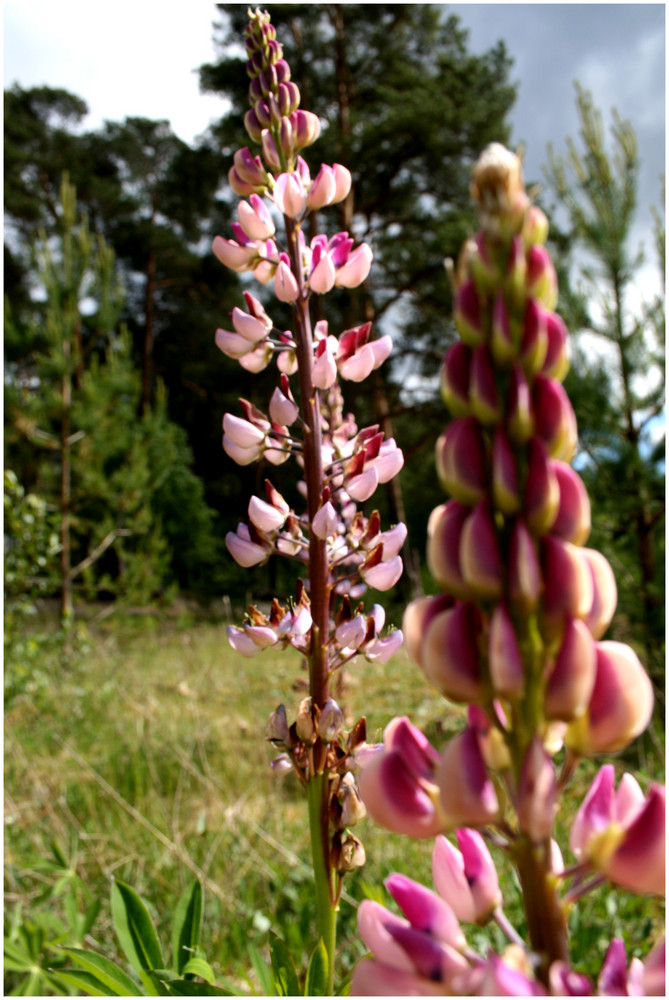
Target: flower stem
(326, 910)
(545, 915)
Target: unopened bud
(304, 724)
(467, 315)
(351, 854)
(330, 721)
(455, 379)
(352, 806)
(277, 726)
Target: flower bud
(480, 559)
(352, 807)
(264, 516)
(449, 653)
(277, 726)
(505, 663)
(542, 493)
(330, 721)
(504, 474)
(535, 226)
(524, 573)
(520, 417)
(514, 279)
(466, 878)
(255, 219)
(541, 276)
(568, 586)
(444, 530)
(467, 794)
(306, 128)
(572, 521)
(355, 270)
(605, 593)
(417, 617)
(304, 724)
(454, 379)
(621, 704)
(352, 854)
(467, 315)
(326, 521)
(572, 678)
(534, 345)
(283, 409)
(556, 362)
(484, 395)
(554, 418)
(461, 461)
(502, 340)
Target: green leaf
(134, 928)
(283, 967)
(316, 983)
(186, 926)
(262, 971)
(88, 984)
(187, 988)
(199, 967)
(103, 969)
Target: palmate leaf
(186, 928)
(134, 928)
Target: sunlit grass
(150, 751)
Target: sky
(142, 59)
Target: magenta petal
(484, 396)
(444, 530)
(595, 812)
(612, 980)
(568, 586)
(536, 793)
(639, 863)
(481, 873)
(605, 593)
(524, 572)
(384, 575)
(425, 910)
(504, 474)
(480, 559)
(467, 315)
(542, 494)
(554, 418)
(505, 662)
(372, 979)
(461, 460)
(417, 617)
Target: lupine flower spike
(516, 636)
(340, 551)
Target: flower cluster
(340, 549)
(517, 632)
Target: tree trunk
(149, 323)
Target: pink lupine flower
(568, 585)
(242, 642)
(247, 174)
(355, 269)
(398, 785)
(654, 971)
(622, 833)
(257, 360)
(306, 128)
(243, 549)
(265, 516)
(232, 344)
(238, 257)
(373, 979)
(381, 650)
(322, 273)
(352, 634)
(542, 491)
(520, 413)
(285, 285)
(282, 407)
(621, 704)
(541, 276)
(254, 218)
(466, 878)
(615, 979)
(554, 418)
(392, 540)
(331, 184)
(564, 982)
(509, 976)
(289, 195)
(556, 363)
(502, 344)
(426, 910)
(381, 575)
(243, 441)
(326, 521)
(324, 371)
(253, 325)
(534, 342)
(466, 793)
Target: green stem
(326, 909)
